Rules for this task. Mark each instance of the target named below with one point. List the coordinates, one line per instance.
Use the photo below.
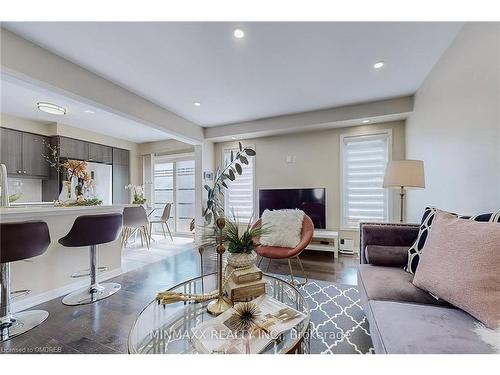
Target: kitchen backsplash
(31, 189)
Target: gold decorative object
(245, 317)
(201, 249)
(221, 304)
(166, 298)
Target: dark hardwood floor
(319, 265)
(103, 327)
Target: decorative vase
(78, 188)
(67, 187)
(241, 260)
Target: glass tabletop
(165, 329)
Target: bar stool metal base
(91, 294)
(21, 322)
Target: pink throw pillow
(461, 265)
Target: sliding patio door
(184, 195)
(174, 183)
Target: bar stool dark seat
(92, 230)
(19, 241)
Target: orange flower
(76, 168)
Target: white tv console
(330, 237)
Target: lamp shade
(404, 173)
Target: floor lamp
(404, 174)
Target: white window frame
(387, 132)
(254, 189)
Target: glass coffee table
(165, 329)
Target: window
(184, 196)
(164, 191)
(240, 195)
(177, 188)
(364, 159)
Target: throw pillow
(285, 228)
(460, 265)
(415, 251)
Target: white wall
(167, 147)
(317, 163)
(455, 126)
(22, 124)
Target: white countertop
(33, 211)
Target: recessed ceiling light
(89, 111)
(365, 121)
(378, 64)
(238, 33)
(53, 109)
(196, 104)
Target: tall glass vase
(67, 188)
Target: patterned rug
(338, 323)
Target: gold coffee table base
(218, 306)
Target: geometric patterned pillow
(415, 250)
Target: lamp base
(219, 305)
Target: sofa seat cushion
(407, 328)
(388, 256)
(392, 284)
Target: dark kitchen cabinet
(100, 153)
(11, 152)
(120, 156)
(22, 153)
(73, 149)
(121, 176)
(34, 151)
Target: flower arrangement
(78, 169)
(138, 191)
(73, 169)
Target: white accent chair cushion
(285, 227)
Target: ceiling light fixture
(196, 104)
(233, 138)
(89, 111)
(53, 109)
(378, 64)
(238, 33)
(365, 121)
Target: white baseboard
(33, 300)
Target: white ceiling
(20, 99)
(278, 68)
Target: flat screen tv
(311, 201)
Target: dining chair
(135, 219)
(163, 220)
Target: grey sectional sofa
(402, 317)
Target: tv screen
(311, 201)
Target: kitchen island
(49, 275)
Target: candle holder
(221, 304)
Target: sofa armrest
(385, 234)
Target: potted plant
(240, 241)
(138, 191)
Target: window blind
(364, 159)
(239, 196)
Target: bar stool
(92, 230)
(19, 241)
